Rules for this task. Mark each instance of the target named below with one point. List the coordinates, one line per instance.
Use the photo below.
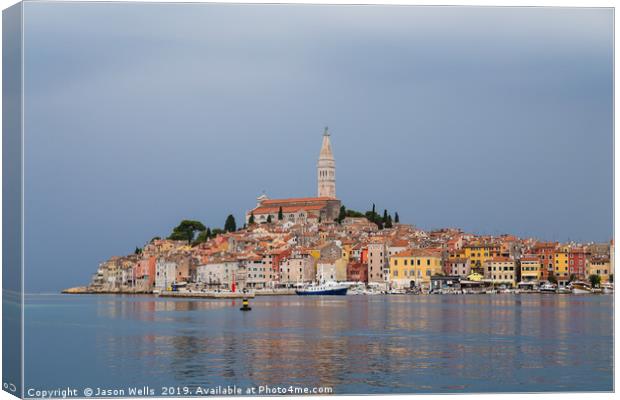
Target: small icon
(9, 386)
(88, 392)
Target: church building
(299, 210)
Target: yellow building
(599, 266)
(500, 270)
(530, 269)
(560, 267)
(414, 265)
(479, 253)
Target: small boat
(564, 290)
(324, 289)
(579, 287)
(547, 287)
(608, 288)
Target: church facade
(324, 207)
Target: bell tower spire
(326, 169)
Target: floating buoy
(245, 305)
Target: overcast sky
(495, 120)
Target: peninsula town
(288, 243)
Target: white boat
(579, 287)
(608, 288)
(547, 287)
(324, 289)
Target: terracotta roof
(296, 200)
(419, 253)
(286, 209)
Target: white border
(490, 3)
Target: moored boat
(324, 289)
(547, 287)
(579, 287)
(608, 288)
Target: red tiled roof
(296, 200)
(286, 209)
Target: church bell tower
(326, 169)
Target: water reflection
(355, 344)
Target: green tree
(388, 224)
(342, 214)
(186, 230)
(218, 231)
(280, 214)
(208, 233)
(385, 217)
(396, 218)
(202, 237)
(611, 278)
(552, 279)
(251, 221)
(155, 238)
(269, 219)
(320, 219)
(595, 280)
(138, 250)
(354, 214)
(572, 277)
(230, 225)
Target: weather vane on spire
(326, 133)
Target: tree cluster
(195, 232)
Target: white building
(165, 273)
(222, 273)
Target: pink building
(145, 271)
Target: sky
(494, 120)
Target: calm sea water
(353, 344)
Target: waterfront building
(221, 273)
(414, 267)
(165, 273)
(545, 251)
(458, 267)
(377, 261)
(599, 265)
(145, 272)
(258, 274)
(479, 252)
(298, 267)
(531, 270)
(326, 269)
(560, 261)
(500, 270)
(577, 258)
(357, 272)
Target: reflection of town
(347, 341)
(291, 242)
